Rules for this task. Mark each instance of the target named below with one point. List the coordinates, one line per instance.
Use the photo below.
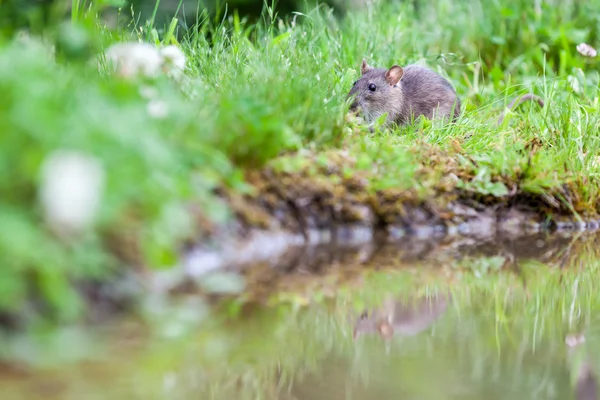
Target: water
(495, 319)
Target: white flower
(574, 82)
(148, 92)
(573, 340)
(157, 109)
(173, 57)
(71, 189)
(26, 40)
(134, 59)
(586, 50)
(144, 59)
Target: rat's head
(368, 323)
(378, 91)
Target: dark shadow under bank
(296, 267)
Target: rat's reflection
(586, 384)
(405, 317)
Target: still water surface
(494, 319)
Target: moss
(323, 194)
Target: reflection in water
(500, 339)
(401, 317)
(304, 266)
(586, 385)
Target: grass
(252, 93)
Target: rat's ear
(393, 75)
(364, 67)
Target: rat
(401, 318)
(403, 93)
(410, 92)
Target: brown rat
(402, 318)
(406, 93)
(403, 93)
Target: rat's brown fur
(407, 93)
(396, 317)
(404, 94)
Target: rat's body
(402, 318)
(408, 93)
(404, 94)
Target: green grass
(254, 92)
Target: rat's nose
(354, 106)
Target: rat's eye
(355, 82)
(372, 87)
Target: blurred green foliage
(191, 12)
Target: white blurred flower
(158, 109)
(134, 59)
(595, 163)
(586, 50)
(144, 59)
(173, 57)
(169, 382)
(573, 340)
(574, 82)
(29, 41)
(71, 189)
(148, 92)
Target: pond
(500, 318)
